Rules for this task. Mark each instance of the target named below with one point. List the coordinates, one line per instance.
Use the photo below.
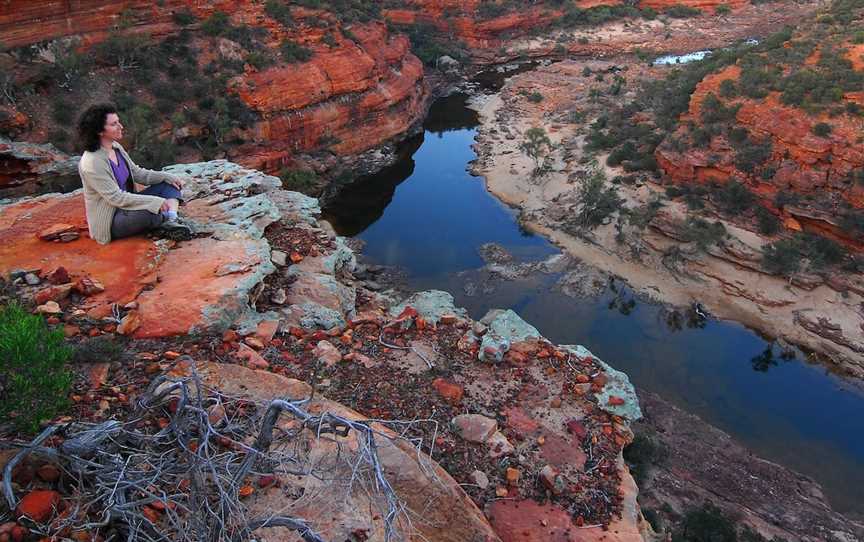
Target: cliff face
(816, 156)
(345, 94)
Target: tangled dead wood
(189, 451)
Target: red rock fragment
(614, 400)
(58, 275)
(88, 286)
(449, 391)
(39, 505)
(266, 330)
(48, 473)
(52, 293)
(575, 428)
(53, 233)
(252, 359)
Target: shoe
(176, 230)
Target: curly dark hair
(91, 123)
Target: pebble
(327, 354)
(479, 477)
(278, 257)
(512, 475)
(279, 297)
(474, 427)
(31, 279)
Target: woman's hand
(165, 206)
(177, 182)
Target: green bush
(535, 97)
(32, 368)
(766, 221)
(733, 197)
(278, 10)
(705, 524)
(294, 52)
(299, 180)
(787, 256)
(702, 233)
(598, 202)
(183, 17)
(822, 129)
(722, 9)
(682, 12)
(216, 24)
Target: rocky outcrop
(358, 95)
(802, 163)
(556, 418)
(359, 88)
(26, 168)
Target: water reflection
(430, 217)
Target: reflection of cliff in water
(358, 205)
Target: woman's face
(113, 129)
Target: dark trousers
(129, 223)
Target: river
(428, 216)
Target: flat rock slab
(426, 490)
(123, 267)
(203, 284)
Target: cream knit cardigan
(102, 194)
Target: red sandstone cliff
(822, 168)
(350, 96)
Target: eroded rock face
(28, 167)
(352, 95)
(802, 162)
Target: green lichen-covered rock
(431, 305)
(504, 329)
(617, 386)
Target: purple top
(121, 171)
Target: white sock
(170, 215)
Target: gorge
(391, 147)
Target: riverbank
(822, 316)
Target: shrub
(681, 11)
(788, 256)
(821, 129)
(642, 454)
(32, 368)
(597, 201)
(705, 524)
(279, 11)
(702, 233)
(722, 9)
(535, 97)
(294, 52)
(183, 17)
(728, 89)
(299, 180)
(733, 197)
(62, 112)
(537, 146)
(216, 24)
(259, 59)
(751, 154)
(766, 221)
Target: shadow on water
(429, 216)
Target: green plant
(705, 524)
(294, 52)
(278, 10)
(216, 24)
(32, 369)
(597, 201)
(766, 221)
(701, 233)
(733, 197)
(681, 11)
(821, 129)
(722, 9)
(803, 251)
(642, 454)
(535, 97)
(183, 17)
(299, 180)
(537, 146)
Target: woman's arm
(147, 176)
(107, 187)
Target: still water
(427, 215)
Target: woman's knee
(129, 223)
(163, 190)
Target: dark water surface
(427, 215)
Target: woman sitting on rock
(114, 209)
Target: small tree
(538, 147)
(597, 201)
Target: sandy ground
(727, 282)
